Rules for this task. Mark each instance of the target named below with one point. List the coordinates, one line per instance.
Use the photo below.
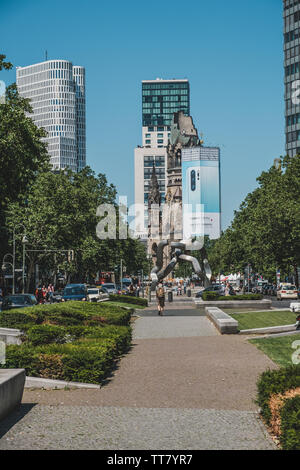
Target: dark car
(215, 288)
(75, 292)
(57, 296)
(18, 301)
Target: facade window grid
(48, 90)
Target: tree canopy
(60, 214)
(265, 231)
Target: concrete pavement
(182, 386)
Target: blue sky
(231, 52)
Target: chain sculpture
(178, 254)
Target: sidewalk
(182, 386)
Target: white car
(96, 294)
(295, 306)
(287, 291)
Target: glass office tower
(56, 90)
(291, 16)
(160, 99)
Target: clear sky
(230, 50)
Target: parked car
(57, 296)
(110, 287)
(75, 292)
(123, 291)
(96, 294)
(18, 301)
(287, 291)
(216, 288)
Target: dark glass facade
(163, 98)
(291, 17)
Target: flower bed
(73, 341)
(279, 400)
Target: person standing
(50, 293)
(160, 295)
(227, 290)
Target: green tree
(265, 231)
(22, 152)
(60, 213)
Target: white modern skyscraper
(160, 100)
(56, 90)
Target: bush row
(68, 313)
(129, 299)
(73, 341)
(215, 296)
(275, 382)
(290, 424)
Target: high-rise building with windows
(56, 90)
(291, 15)
(160, 100)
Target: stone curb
(37, 382)
(202, 304)
(269, 330)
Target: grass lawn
(264, 319)
(230, 311)
(123, 304)
(278, 349)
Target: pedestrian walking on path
(160, 295)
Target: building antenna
(46, 55)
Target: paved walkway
(193, 390)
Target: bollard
(170, 296)
(189, 293)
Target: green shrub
(210, 296)
(243, 297)
(74, 341)
(88, 358)
(66, 314)
(290, 424)
(129, 299)
(46, 334)
(273, 382)
(214, 296)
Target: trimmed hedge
(290, 424)
(73, 341)
(210, 296)
(66, 313)
(215, 296)
(128, 299)
(273, 382)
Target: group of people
(44, 294)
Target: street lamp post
(4, 267)
(121, 275)
(149, 289)
(24, 241)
